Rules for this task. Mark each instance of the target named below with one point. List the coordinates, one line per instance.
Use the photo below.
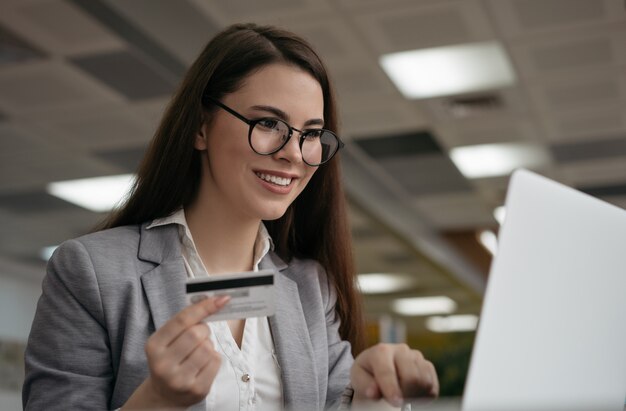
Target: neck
(225, 242)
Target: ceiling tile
(59, 27)
(378, 115)
(586, 150)
(100, 11)
(238, 8)
(39, 86)
(413, 25)
(517, 18)
(584, 53)
(361, 82)
(14, 49)
(106, 128)
(435, 27)
(154, 17)
(150, 110)
(605, 190)
(416, 143)
(425, 173)
(544, 13)
(486, 130)
(32, 202)
(127, 73)
(126, 159)
(276, 12)
(465, 210)
(600, 90)
(587, 89)
(590, 124)
(596, 172)
(584, 122)
(39, 158)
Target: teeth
(274, 179)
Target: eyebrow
(285, 117)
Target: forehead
(285, 86)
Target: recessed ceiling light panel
(452, 323)
(99, 194)
(492, 160)
(424, 305)
(380, 283)
(449, 70)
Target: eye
(313, 133)
(268, 123)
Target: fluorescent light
(499, 214)
(46, 252)
(448, 70)
(489, 160)
(424, 305)
(96, 194)
(452, 323)
(489, 240)
(378, 283)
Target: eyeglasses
(269, 135)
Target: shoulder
(109, 252)
(110, 242)
(112, 238)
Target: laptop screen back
(552, 333)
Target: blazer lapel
(164, 285)
(292, 340)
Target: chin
(273, 214)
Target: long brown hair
(315, 225)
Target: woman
(241, 175)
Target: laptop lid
(552, 332)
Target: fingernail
(397, 401)
(222, 300)
(369, 393)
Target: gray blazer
(105, 293)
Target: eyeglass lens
(317, 145)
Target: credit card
(252, 293)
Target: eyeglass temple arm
(230, 110)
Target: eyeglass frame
(252, 123)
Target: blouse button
(245, 377)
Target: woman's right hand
(182, 360)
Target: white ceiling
(83, 83)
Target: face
(242, 181)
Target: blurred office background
(495, 85)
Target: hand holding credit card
(251, 293)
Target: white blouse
(249, 378)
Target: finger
(363, 383)
(196, 386)
(385, 374)
(186, 318)
(415, 375)
(434, 391)
(198, 358)
(187, 342)
(207, 374)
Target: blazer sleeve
(340, 358)
(67, 358)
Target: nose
(291, 151)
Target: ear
(200, 142)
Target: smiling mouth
(279, 181)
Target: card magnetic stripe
(227, 284)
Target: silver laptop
(552, 333)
